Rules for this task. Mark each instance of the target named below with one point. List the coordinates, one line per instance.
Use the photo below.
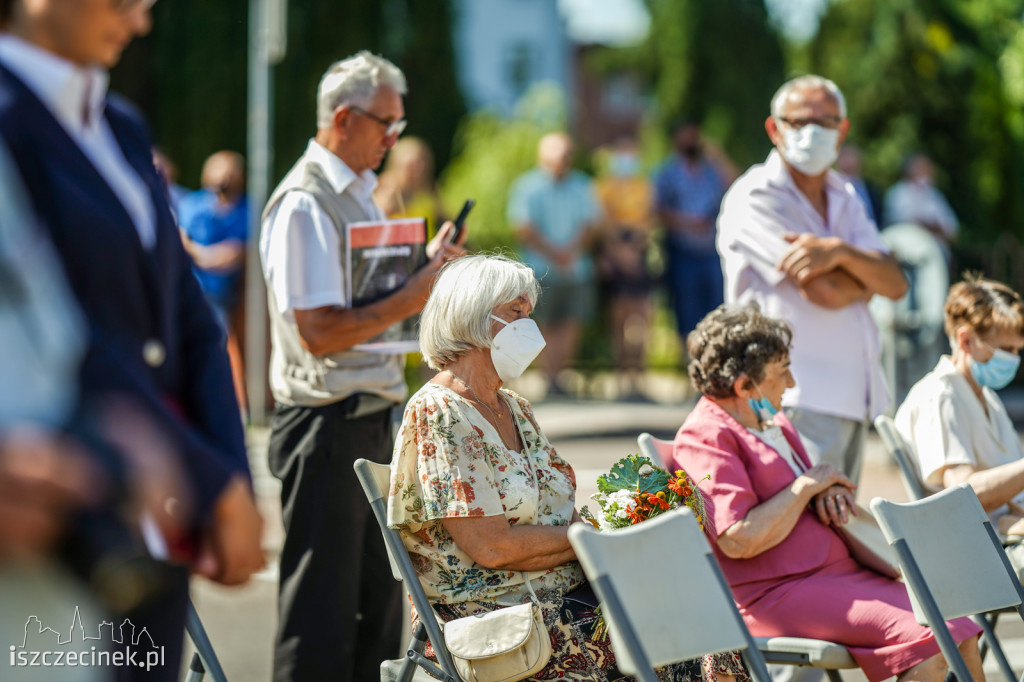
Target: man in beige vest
(339, 608)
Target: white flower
(622, 514)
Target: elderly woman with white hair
(481, 498)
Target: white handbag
(501, 646)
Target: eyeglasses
(830, 122)
(390, 127)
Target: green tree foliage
(490, 153)
(717, 63)
(942, 77)
(189, 75)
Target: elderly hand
(834, 505)
(811, 256)
(821, 477)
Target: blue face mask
(999, 371)
(763, 408)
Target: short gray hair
(457, 317)
(354, 81)
(808, 82)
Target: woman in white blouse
(953, 418)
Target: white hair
(808, 82)
(457, 316)
(354, 81)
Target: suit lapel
(69, 161)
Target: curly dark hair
(731, 342)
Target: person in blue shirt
(215, 224)
(214, 227)
(688, 192)
(555, 212)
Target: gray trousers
(832, 440)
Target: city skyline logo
(117, 646)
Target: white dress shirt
(945, 424)
(76, 96)
(299, 244)
(836, 353)
(912, 202)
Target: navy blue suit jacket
(131, 296)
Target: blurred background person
(849, 165)
(168, 170)
(406, 187)
(555, 213)
(627, 202)
(688, 193)
(87, 165)
(915, 199)
(214, 225)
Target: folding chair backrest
(903, 454)
(659, 451)
(376, 481)
(959, 556)
(671, 595)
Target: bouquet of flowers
(635, 490)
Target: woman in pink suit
(773, 514)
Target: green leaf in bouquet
(626, 475)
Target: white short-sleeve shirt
(300, 245)
(836, 354)
(945, 424)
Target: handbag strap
(536, 484)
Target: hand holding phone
(460, 220)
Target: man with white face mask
(795, 237)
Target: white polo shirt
(945, 424)
(836, 354)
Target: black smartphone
(461, 220)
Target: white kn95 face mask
(515, 347)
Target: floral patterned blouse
(449, 461)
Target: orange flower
(686, 491)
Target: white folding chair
(375, 479)
(682, 609)
(953, 563)
(798, 651)
(657, 450)
(903, 454)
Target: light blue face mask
(763, 408)
(999, 371)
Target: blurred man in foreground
(87, 165)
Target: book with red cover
(382, 255)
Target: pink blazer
(744, 473)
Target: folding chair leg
(204, 648)
(913, 576)
(418, 645)
(645, 672)
(833, 675)
(988, 640)
(196, 671)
